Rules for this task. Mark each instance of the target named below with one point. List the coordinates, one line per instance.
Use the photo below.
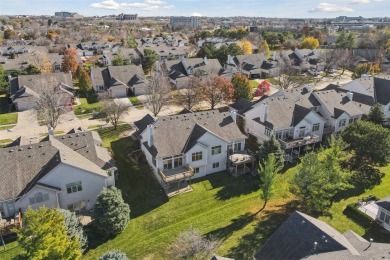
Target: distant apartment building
(127, 17)
(177, 21)
(67, 15)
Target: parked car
(313, 72)
(98, 115)
(329, 70)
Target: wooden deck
(177, 174)
(289, 144)
(6, 226)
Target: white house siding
(308, 123)
(337, 126)
(24, 202)
(23, 106)
(383, 224)
(64, 174)
(138, 90)
(386, 111)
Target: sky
(222, 8)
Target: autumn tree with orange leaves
(217, 89)
(69, 62)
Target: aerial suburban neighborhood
(194, 130)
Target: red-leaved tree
(217, 89)
(69, 62)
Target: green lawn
(254, 83)
(87, 106)
(219, 205)
(135, 101)
(8, 119)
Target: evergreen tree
(234, 50)
(149, 61)
(369, 142)
(85, 83)
(118, 60)
(3, 80)
(111, 213)
(44, 236)
(74, 229)
(267, 174)
(114, 255)
(242, 87)
(376, 114)
(271, 146)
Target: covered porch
(174, 180)
(240, 163)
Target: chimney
(51, 131)
(350, 95)
(205, 60)
(308, 88)
(233, 114)
(265, 112)
(315, 246)
(70, 73)
(274, 56)
(149, 135)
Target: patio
(370, 209)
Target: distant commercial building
(127, 17)
(67, 15)
(177, 21)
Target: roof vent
(20, 148)
(11, 151)
(63, 137)
(30, 147)
(41, 145)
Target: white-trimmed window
(216, 165)
(268, 132)
(196, 170)
(216, 150)
(74, 187)
(316, 127)
(197, 156)
(177, 162)
(237, 147)
(39, 197)
(342, 122)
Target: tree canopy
(268, 170)
(271, 146)
(69, 62)
(310, 43)
(369, 142)
(3, 80)
(44, 236)
(74, 228)
(242, 87)
(111, 212)
(346, 40)
(149, 60)
(114, 255)
(246, 46)
(365, 68)
(376, 114)
(217, 89)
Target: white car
(313, 72)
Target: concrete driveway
(124, 101)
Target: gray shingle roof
(172, 134)
(384, 203)
(143, 123)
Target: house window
(57, 67)
(382, 216)
(215, 150)
(77, 206)
(177, 162)
(286, 134)
(301, 131)
(237, 147)
(229, 148)
(167, 163)
(342, 122)
(279, 135)
(216, 165)
(101, 88)
(267, 132)
(196, 170)
(387, 219)
(316, 127)
(197, 156)
(74, 187)
(39, 197)
(350, 120)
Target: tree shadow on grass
(236, 186)
(366, 177)
(139, 186)
(372, 228)
(269, 222)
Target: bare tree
(113, 110)
(51, 103)
(157, 91)
(346, 60)
(41, 61)
(288, 77)
(191, 95)
(191, 245)
(329, 58)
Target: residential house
(220, 41)
(120, 81)
(141, 125)
(304, 237)
(192, 145)
(370, 55)
(130, 56)
(180, 71)
(25, 90)
(252, 65)
(368, 91)
(383, 216)
(291, 116)
(65, 171)
(302, 60)
(165, 52)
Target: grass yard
(254, 83)
(219, 205)
(135, 101)
(8, 119)
(87, 106)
